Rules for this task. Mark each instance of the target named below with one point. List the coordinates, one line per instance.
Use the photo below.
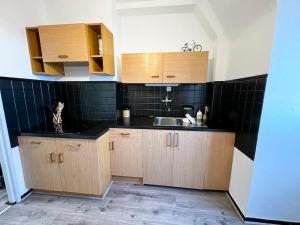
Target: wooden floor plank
(126, 204)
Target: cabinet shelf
(37, 64)
(96, 56)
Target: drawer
(125, 133)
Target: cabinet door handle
(169, 140)
(176, 140)
(125, 134)
(52, 157)
(74, 145)
(171, 76)
(60, 158)
(155, 76)
(63, 56)
(36, 142)
(111, 146)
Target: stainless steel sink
(167, 121)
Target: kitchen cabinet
(64, 43)
(39, 161)
(66, 165)
(169, 67)
(218, 160)
(52, 45)
(126, 152)
(189, 149)
(158, 157)
(174, 158)
(185, 67)
(142, 68)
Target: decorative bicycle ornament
(189, 47)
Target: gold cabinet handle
(111, 146)
(169, 140)
(63, 56)
(155, 76)
(176, 140)
(60, 158)
(36, 142)
(74, 145)
(171, 76)
(52, 157)
(125, 134)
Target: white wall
(276, 175)
(164, 32)
(240, 179)
(250, 50)
(14, 17)
(80, 11)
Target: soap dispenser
(199, 116)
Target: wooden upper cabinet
(171, 67)
(142, 68)
(219, 158)
(64, 43)
(185, 67)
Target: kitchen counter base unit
(66, 165)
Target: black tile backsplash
(235, 104)
(87, 100)
(146, 100)
(238, 104)
(25, 105)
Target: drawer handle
(36, 142)
(74, 145)
(60, 158)
(125, 134)
(52, 157)
(176, 140)
(111, 146)
(155, 76)
(169, 140)
(171, 76)
(63, 56)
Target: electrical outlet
(169, 89)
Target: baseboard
(257, 220)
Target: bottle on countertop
(199, 116)
(205, 114)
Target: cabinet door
(79, 166)
(126, 152)
(142, 68)
(185, 67)
(218, 160)
(64, 43)
(189, 159)
(158, 157)
(39, 161)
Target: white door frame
(6, 160)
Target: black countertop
(93, 130)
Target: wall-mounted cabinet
(52, 45)
(38, 65)
(169, 67)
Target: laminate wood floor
(126, 204)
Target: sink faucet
(167, 100)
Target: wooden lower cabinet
(219, 157)
(39, 161)
(126, 152)
(189, 159)
(66, 165)
(158, 157)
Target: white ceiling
(235, 15)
